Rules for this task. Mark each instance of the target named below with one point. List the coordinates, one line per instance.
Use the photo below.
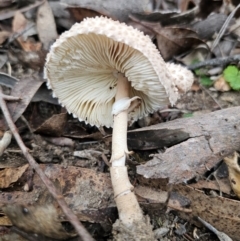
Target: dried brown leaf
(79, 14)
(220, 212)
(46, 26)
(45, 95)
(165, 18)
(41, 220)
(87, 192)
(33, 59)
(116, 9)
(175, 40)
(171, 40)
(11, 175)
(9, 14)
(208, 27)
(184, 4)
(54, 126)
(150, 195)
(8, 80)
(221, 85)
(4, 35)
(30, 46)
(25, 89)
(209, 6)
(222, 185)
(20, 23)
(60, 141)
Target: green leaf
(232, 76)
(206, 81)
(186, 115)
(200, 72)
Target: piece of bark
(202, 142)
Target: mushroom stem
(120, 123)
(127, 204)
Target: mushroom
(109, 74)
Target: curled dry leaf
(221, 84)
(11, 175)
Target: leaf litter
(166, 154)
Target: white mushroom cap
(82, 63)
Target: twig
(224, 27)
(10, 14)
(55, 193)
(222, 236)
(214, 99)
(8, 97)
(216, 62)
(6, 140)
(16, 35)
(105, 160)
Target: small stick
(216, 62)
(214, 99)
(224, 27)
(55, 193)
(6, 140)
(222, 236)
